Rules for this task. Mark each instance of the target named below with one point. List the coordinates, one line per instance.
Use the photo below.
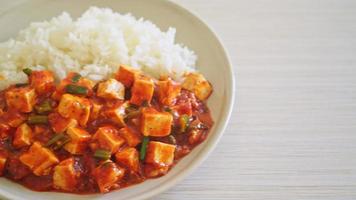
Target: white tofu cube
(132, 137)
(168, 91)
(65, 177)
(42, 81)
(111, 89)
(160, 154)
(154, 123)
(23, 136)
(197, 84)
(128, 157)
(127, 75)
(79, 141)
(39, 159)
(22, 99)
(107, 138)
(116, 114)
(142, 91)
(107, 175)
(75, 107)
(60, 124)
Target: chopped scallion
(44, 107)
(37, 119)
(61, 142)
(144, 148)
(168, 109)
(76, 78)
(27, 71)
(21, 85)
(55, 138)
(102, 154)
(184, 123)
(76, 89)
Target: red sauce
(198, 125)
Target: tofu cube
(60, 124)
(79, 141)
(65, 177)
(39, 159)
(95, 110)
(78, 134)
(154, 123)
(107, 175)
(116, 114)
(3, 160)
(22, 99)
(142, 91)
(75, 107)
(127, 75)
(168, 91)
(128, 157)
(197, 84)
(42, 81)
(152, 171)
(13, 118)
(23, 136)
(107, 138)
(111, 89)
(131, 137)
(160, 154)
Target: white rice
(93, 45)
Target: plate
(213, 63)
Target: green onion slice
(27, 71)
(76, 78)
(168, 109)
(144, 148)
(61, 143)
(37, 119)
(102, 154)
(44, 107)
(21, 85)
(76, 89)
(55, 138)
(184, 123)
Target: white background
(293, 129)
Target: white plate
(213, 62)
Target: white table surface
(292, 134)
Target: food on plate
(83, 136)
(93, 45)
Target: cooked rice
(93, 45)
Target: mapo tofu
(81, 136)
